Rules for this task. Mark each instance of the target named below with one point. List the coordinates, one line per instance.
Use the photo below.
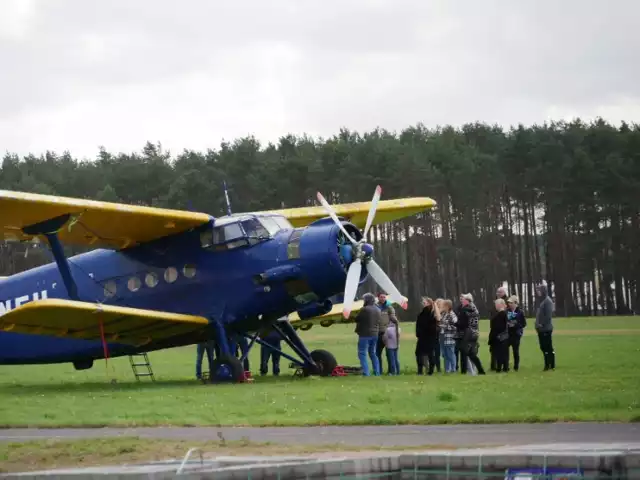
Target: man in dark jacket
(544, 327)
(367, 327)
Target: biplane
(157, 278)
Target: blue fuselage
(246, 287)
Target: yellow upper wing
(356, 213)
(99, 224)
(116, 225)
(71, 319)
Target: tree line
(556, 202)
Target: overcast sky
(78, 74)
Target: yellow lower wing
(81, 320)
(356, 213)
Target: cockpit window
(293, 248)
(243, 230)
(271, 225)
(254, 228)
(282, 222)
(231, 231)
(223, 237)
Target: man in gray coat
(544, 327)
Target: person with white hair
(468, 323)
(499, 336)
(501, 292)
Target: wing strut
(49, 228)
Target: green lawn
(598, 360)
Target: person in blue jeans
(392, 342)
(209, 347)
(367, 328)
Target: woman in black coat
(516, 322)
(427, 335)
(499, 336)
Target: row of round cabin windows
(150, 280)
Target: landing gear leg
(318, 362)
(226, 368)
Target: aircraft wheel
(325, 362)
(227, 369)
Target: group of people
(442, 331)
(452, 334)
(378, 329)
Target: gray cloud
(78, 74)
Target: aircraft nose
(367, 249)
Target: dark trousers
(207, 347)
(426, 356)
(379, 349)
(438, 355)
(546, 346)
(501, 352)
(265, 354)
(514, 343)
(470, 351)
(240, 348)
(494, 358)
(458, 354)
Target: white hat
(467, 296)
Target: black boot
(552, 360)
(546, 362)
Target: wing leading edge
(82, 320)
(92, 223)
(356, 213)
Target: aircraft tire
(227, 369)
(326, 363)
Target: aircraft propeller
(363, 253)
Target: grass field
(597, 378)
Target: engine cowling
(325, 256)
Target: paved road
(400, 435)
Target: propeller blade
(335, 218)
(351, 287)
(399, 302)
(383, 280)
(372, 210)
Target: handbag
(503, 336)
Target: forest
(557, 202)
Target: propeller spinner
(363, 253)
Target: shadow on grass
(133, 385)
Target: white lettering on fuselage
(7, 305)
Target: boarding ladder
(139, 362)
